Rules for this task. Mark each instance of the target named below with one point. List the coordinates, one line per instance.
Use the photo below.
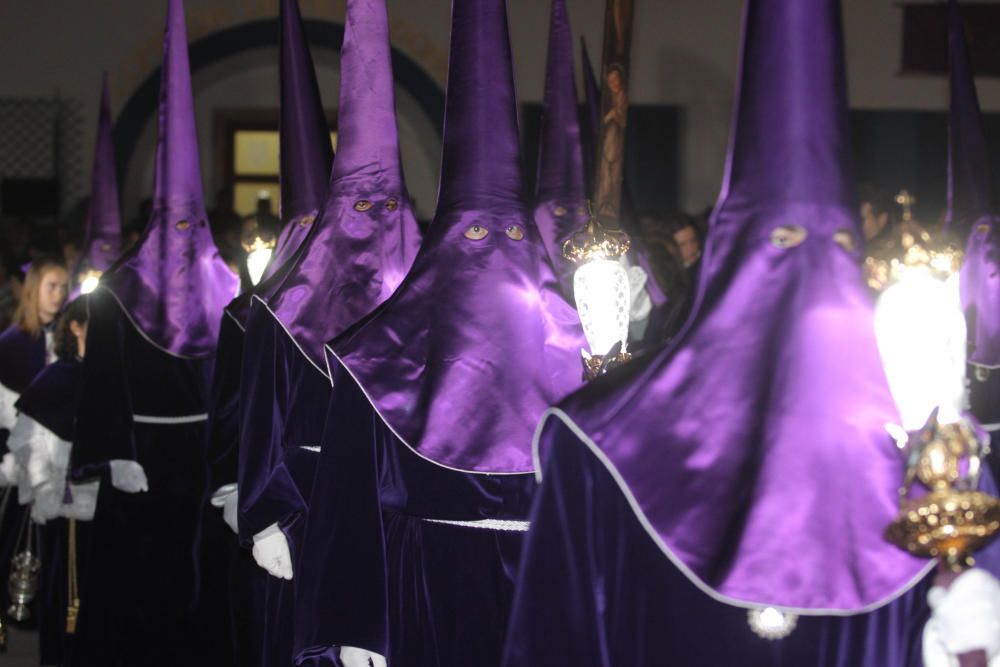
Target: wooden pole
(610, 162)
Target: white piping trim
(986, 366)
(506, 525)
(675, 560)
(183, 419)
(142, 333)
(311, 448)
(290, 336)
(235, 319)
(400, 437)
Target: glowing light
(602, 292)
(920, 330)
(89, 281)
(771, 623)
(257, 260)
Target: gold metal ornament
(909, 247)
(953, 520)
(595, 242)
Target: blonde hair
(26, 317)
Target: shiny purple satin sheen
(560, 198)
(754, 447)
(366, 236)
(306, 156)
(979, 283)
(173, 285)
(306, 153)
(971, 204)
(481, 160)
(103, 227)
(477, 341)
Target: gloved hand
(965, 618)
(270, 550)
(358, 657)
(128, 476)
(8, 470)
(229, 511)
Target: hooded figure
(746, 465)
(407, 538)
(152, 332)
(306, 159)
(361, 246)
(102, 242)
(971, 218)
(560, 197)
(42, 439)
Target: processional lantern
(601, 283)
(258, 241)
(921, 333)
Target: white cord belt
(183, 419)
(489, 524)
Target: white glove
(358, 657)
(965, 617)
(270, 550)
(128, 476)
(227, 497)
(8, 470)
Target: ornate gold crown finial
(953, 520)
(909, 247)
(595, 242)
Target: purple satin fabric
(979, 283)
(306, 153)
(594, 591)
(173, 285)
(754, 447)
(306, 158)
(477, 341)
(366, 236)
(103, 228)
(560, 199)
(971, 204)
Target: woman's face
(52, 293)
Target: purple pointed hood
(753, 449)
(591, 100)
(306, 157)
(477, 341)
(306, 153)
(366, 236)
(102, 242)
(560, 199)
(971, 209)
(173, 285)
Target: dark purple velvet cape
(52, 400)
(374, 573)
(143, 591)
